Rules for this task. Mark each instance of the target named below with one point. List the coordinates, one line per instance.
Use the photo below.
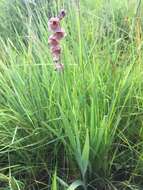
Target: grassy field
(81, 129)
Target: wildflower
(54, 24)
(56, 49)
(55, 38)
(53, 41)
(56, 52)
(60, 34)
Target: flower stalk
(54, 26)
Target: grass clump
(80, 129)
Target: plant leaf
(76, 184)
(85, 154)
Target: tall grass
(80, 129)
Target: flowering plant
(54, 40)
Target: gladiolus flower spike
(54, 40)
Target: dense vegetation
(82, 128)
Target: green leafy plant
(86, 121)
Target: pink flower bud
(62, 14)
(56, 53)
(56, 57)
(59, 67)
(56, 49)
